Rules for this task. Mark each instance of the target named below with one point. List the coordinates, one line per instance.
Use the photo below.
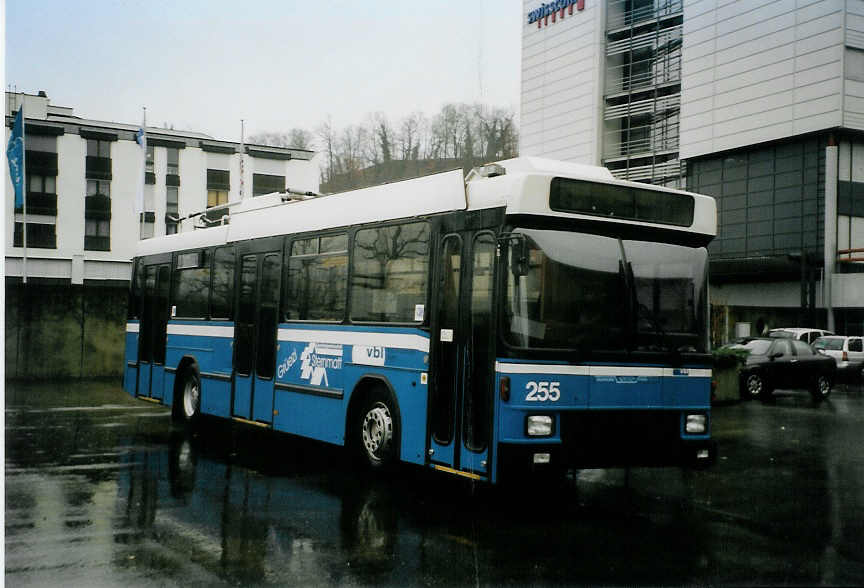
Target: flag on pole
(15, 155)
(141, 139)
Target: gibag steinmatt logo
(553, 9)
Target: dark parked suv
(784, 363)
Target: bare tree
(296, 138)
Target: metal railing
(648, 139)
(654, 171)
(620, 17)
(650, 106)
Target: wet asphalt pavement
(102, 490)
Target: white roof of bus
(523, 190)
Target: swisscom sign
(552, 10)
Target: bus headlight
(695, 424)
(539, 426)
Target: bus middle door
(153, 331)
(255, 336)
(462, 376)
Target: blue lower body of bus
(554, 416)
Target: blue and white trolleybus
(534, 315)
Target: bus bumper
(520, 460)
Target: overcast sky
(203, 65)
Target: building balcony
(40, 203)
(97, 207)
(98, 168)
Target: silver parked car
(805, 334)
(848, 352)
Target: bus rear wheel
(376, 431)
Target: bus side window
(191, 285)
(390, 272)
(222, 294)
(134, 310)
(317, 276)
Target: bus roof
(522, 189)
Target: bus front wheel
(376, 430)
(190, 396)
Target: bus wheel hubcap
(190, 399)
(377, 430)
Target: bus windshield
(589, 293)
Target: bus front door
(462, 372)
(255, 336)
(152, 333)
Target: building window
(97, 148)
(265, 184)
(218, 185)
(97, 216)
(97, 235)
(39, 235)
(216, 197)
(173, 155)
(98, 159)
(149, 166)
(41, 195)
(171, 210)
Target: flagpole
(24, 191)
(242, 157)
(143, 186)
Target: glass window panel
(305, 246)
(390, 272)
(50, 185)
(316, 288)
(222, 300)
(44, 143)
(477, 398)
(334, 244)
(268, 309)
(191, 289)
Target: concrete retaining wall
(62, 330)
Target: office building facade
(759, 104)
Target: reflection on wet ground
(102, 490)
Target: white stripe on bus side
(201, 330)
(390, 340)
(599, 370)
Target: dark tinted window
(244, 327)
(191, 289)
(222, 298)
(621, 202)
(271, 271)
(802, 349)
(856, 345)
(317, 279)
(134, 310)
(475, 425)
(390, 272)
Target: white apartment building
(758, 103)
(84, 176)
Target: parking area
(104, 490)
